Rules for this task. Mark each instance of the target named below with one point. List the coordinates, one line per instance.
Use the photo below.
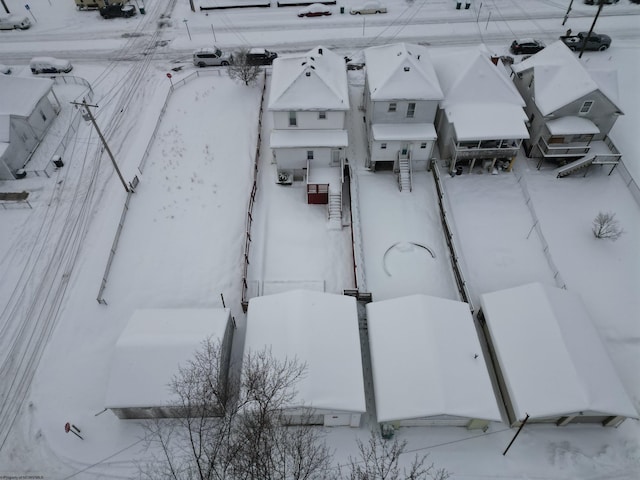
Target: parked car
(5, 69)
(368, 7)
(49, 65)
(260, 56)
(315, 10)
(113, 11)
(211, 57)
(526, 46)
(14, 22)
(596, 41)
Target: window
(411, 109)
(586, 106)
(383, 146)
(393, 106)
(293, 121)
(309, 154)
(322, 115)
(423, 145)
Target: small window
(322, 115)
(411, 109)
(309, 154)
(293, 121)
(586, 106)
(383, 146)
(393, 106)
(423, 145)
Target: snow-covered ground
(183, 236)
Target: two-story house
(401, 97)
(481, 117)
(570, 109)
(309, 101)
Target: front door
(404, 151)
(335, 157)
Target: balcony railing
(573, 149)
(484, 149)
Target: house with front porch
(570, 109)
(309, 101)
(401, 97)
(481, 118)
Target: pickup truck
(596, 41)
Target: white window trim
(588, 104)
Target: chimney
(494, 60)
(320, 51)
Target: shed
(27, 109)
(149, 351)
(321, 331)
(549, 359)
(427, 363)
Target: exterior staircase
(404, 174)
(574, 166)
(335, 210)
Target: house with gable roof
(570, 109)
(482, 114)
(28, 106)
(401, 97)
(309, 101)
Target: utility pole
(566, 15)
(584, 43)
(86, 106)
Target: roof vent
(319, 51)
(312, 59)
(304, 63)
(312, 67)
(308, 74)
(418, 57)
(406, 69)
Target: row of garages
(534, 351)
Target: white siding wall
(296, 158)
(308, 120)
(425, 112)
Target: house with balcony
(309, 101)
(481, 117)
(570, 109)
(401, 97)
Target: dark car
(260, 56)
(113, 11)
(596, 41)
(526, 46)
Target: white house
(27, 108)
(427, 364)
(570, 109)
(401, 97)
(309, 101)
(549, 359)
(149, 351)
(482, 114)
(320, 330)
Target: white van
(211, 57)
(49, 65)
(12, 22)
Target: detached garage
(427, 363)
(549, 359)
(321, 331)
(149, 351)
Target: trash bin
(458, 5)
(458, 170)
(142, 12)
(467, 5)
(341, 9)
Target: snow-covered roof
(5, 128)
(403, 131)
(551, 357)
(427, 360)
(321, 331)
(20, 95)
(572, 126)
(480, 121)
(150, 349)
(469, 76)
(401, 71)
(560, 78)
(316, 80)
(308, 138)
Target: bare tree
(379, 459)
(235, 430)
(241, 69)
(605, 225)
